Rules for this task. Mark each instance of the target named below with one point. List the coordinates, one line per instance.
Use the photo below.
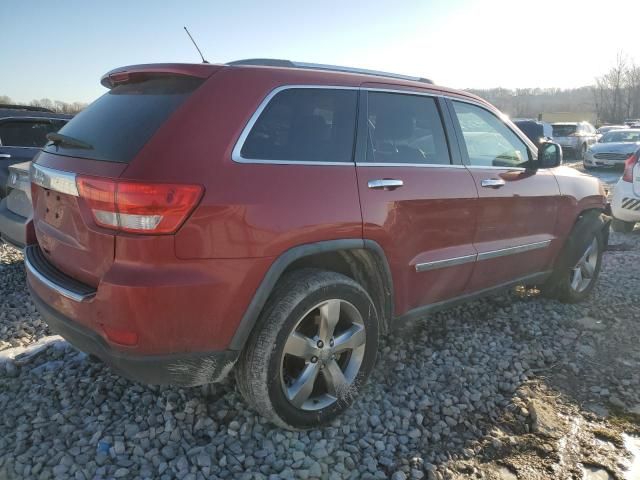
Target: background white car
(625, 204)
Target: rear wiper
(59, 139)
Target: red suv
(278, 218)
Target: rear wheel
(621, 226)
(312, 351)
(582, 152)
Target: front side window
(305, 125)
(27, 133)
(405, 129)
(489, 142)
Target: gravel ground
(513, 386)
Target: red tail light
(628, 166)
(150, 208)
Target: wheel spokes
(588, 269)
(300, 391)
(300, 345)
(329, 316)
(577, 278)
(335, 379)
(350, 339)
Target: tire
(587, 167)
(574, 283)
(581, 152)
(273, 382)
(621, 226)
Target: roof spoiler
(124, 74)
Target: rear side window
(405, 129)
(564, 130)
(118, 124)
(305, 125)
(27, 133)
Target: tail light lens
(149, 208)
(629, 163)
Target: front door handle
(5, 155)
(385, 184)
(492, 183)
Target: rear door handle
(492, 183)
(5, 155)
(385, 184)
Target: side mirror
(549, 155)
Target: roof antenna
(195, 45)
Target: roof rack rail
(25, 107)
(274, 62)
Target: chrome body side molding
(450, 262)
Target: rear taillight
(629, 163)
(151, 208)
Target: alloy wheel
(584, 271)
(322, 355)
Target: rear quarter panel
(248, 210)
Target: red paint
(187, 291)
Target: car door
(517, 206)
(20, 140)
(417, 198)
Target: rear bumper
(186, 369)
(625, 204)
(14, 229)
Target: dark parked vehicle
(538, 132)
(278, 220)
(23, 132)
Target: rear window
(564, 130)
(118, 124)
(27, 133)
(305, 125)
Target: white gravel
(438, 388)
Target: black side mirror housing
(549, 155)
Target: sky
(60, 49)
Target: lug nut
(320, 344)
(331, 343)
(314, 359)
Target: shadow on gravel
(20, 324)
(496, 386)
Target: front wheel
(574, 283)
(621, 226)
(312, 350)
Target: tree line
(57, 106)
(614, 97)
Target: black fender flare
(281, 263)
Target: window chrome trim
(65, 292)
(448, 262)
(56, 180)
(502, 252)
(419, 165)
(491, 167)
(236, 155)
(513, 250)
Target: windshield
(118, 124)
(630, 136)
(564, 130)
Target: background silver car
(574, 137)
(613, 148)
